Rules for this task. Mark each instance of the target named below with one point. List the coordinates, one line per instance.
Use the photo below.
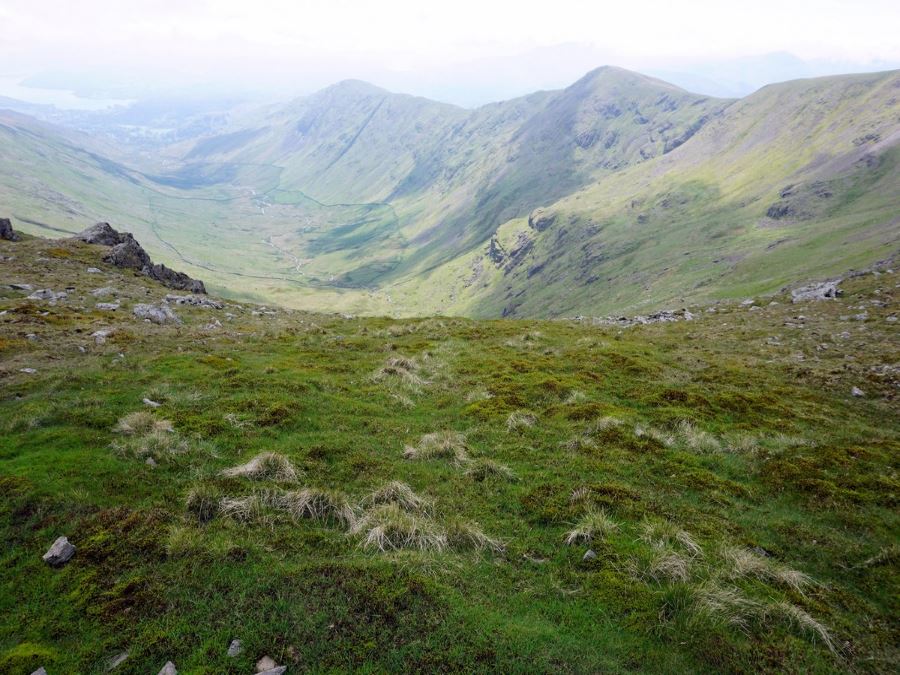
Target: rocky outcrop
(540, 219)
(6, 230)
(159, 314)
(127, 253)
(663, 316)
(826, 290)
(495, 251)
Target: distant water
(12, 87)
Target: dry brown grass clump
(317, 504)
(399, 493)
(388, 527)
(668, 565)
(465, 534)
(401, 369)
(142, 422)
(487, 469)
(594, 524)
(741, 562)
(520, 419)
(799, 618)
(439, 445)
(246, 509)
(266, 466)
(665, 534)
(720, 605)
(696, 439)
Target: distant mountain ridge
(358, 198)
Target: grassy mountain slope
(797, 181)
(356, 199)
(740, 502)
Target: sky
(464, 51)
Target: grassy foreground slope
(741, 504)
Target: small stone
(156, 313)
(152, 404)
(21, 287)
(235, 648)
(59, 553)
(150, 462)
(107, 306)
(857, 392)
(117, 661)
(94, 270)
(589, 555)
(265, 663)
(168, 669)
(277, 670)
(29, 371)
(101, 335)
(40, 671)
(747, 302)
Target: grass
(266, 466)
(707, 560)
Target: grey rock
(107, 306)
(21, 287)
(825, 290)
(150, 462)
(47, 294)
(177, 280)
(278, 670)
(540, 219)
(6, 230)
(40, 671)
(168, 669)
(194, 300)
(101, 335)
(589, 555)
(59, 553)
(160, 314)
(857, 392)
(94, 270)
(152, 404)
(748, 302)
(28, 371)
(235, 648)
(100, 233)
(117, 660)
(265, 664)
(106, 290)
(129, 255)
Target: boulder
(59, 553)
(6, 230)
(160, 314)
(177, 280)
(130, 255)
(826, 290)
(107, 306)
(195, 300)
(102, 234)
(47, 294)
(540, 219)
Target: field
(434, 485)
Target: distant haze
(466, 52)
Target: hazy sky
(299, 45)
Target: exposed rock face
(6, 230)
(495, 251)
(102, 234)
(127, 253)
(540, 219)
(827, 290)
(160, 314)
(59, 553)
(663, 316)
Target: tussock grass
(664, 534)
(141, 422)
(156, 444)
(889, 555)
(742, 443)
(520, 419)
(317, 504)
(388, 527)
(266, 466)
(246, 509)
(439, 445)
(594, 524)
(801, 619)
(402, 370)
(664, 438)
(483, 469)
(721, 605)
(741, 562)
(666, 565)
(399, 493)
(203, 502)
(578, 443)
(696, 439)
(466, 534)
